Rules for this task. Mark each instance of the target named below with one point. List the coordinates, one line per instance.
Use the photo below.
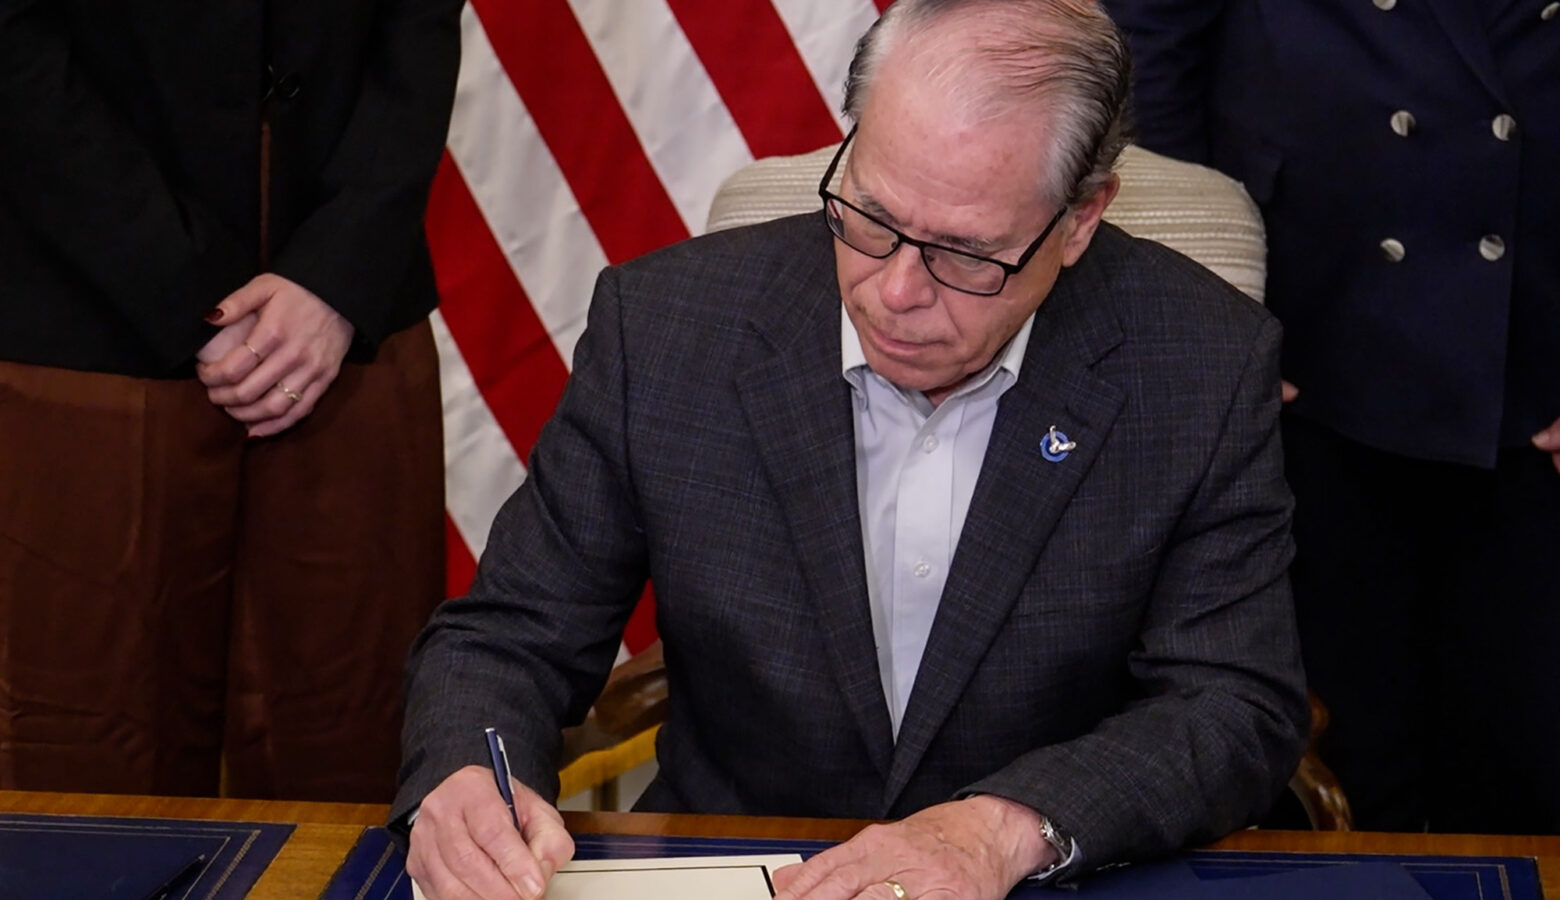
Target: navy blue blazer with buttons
(1115, 643)
(130, 158)
(1406, 157)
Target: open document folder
(676, 878)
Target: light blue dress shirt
(916, 467)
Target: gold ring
(897, 888)
(294, 396)
(258, 357)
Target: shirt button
(1402, 123)
(1550, 12)
(1503, 126)
(1393, 250)
(930, 444)
(1491, 247)
(922, 570)
(1385, 4)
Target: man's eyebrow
(963, 243)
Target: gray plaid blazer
(1115, 644)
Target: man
(1013, 578)
(221, 481)
(1402, 156)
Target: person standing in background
(221, 486)
(1404, 154)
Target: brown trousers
(175, 599)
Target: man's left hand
(273, 377)
(1548, 441)
(972, 849)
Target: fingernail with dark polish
(215, 315)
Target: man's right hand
(465, 847)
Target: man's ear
(1079, 226)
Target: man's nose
(905, 283)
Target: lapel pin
(1055, 446)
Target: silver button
(1491, 247)
(1385, 4)
(1550, 12)
(1402, 122)
(1503, 125)
(1392, 249)
(930, 444)
(922, 570)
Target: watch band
(1062, 842)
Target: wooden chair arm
(632, 702)
(1315, 785)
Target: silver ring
(897, 888)
(258, 357)
(294, 396)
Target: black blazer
(1114, 646)
(130, 160)
(1362, 131)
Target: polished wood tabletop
(326, 831)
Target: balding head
(1060, 63)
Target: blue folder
(94, 858)
(375, 870)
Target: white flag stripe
(522, 193)
(682, 124)
(480, 466)
(824, 32)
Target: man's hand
(1548, 441)
(272, 375)
(465, 847)
(1287, 392)
(973, 849)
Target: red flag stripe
(506, 348)
(460, 567)
(763, 80)
(567, 94)
(640, 631)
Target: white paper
(667, 878)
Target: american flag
(585, 133)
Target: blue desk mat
(94, 858)
(375, 870)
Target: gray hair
(1066, 53)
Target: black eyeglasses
(866, 234)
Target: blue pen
(501, 772)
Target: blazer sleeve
(377, 178)
(528, 649)
(80, 179)
(1173, 44)
(1221, 716)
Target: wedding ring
(897, 888)
(294, 396)
(258, 357)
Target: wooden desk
(326, 831)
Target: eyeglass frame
(1009, 269)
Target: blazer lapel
(798, 408)
(1469, 33)
(1018, 499)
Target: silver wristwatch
(1055, 837)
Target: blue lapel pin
(1055, 446)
